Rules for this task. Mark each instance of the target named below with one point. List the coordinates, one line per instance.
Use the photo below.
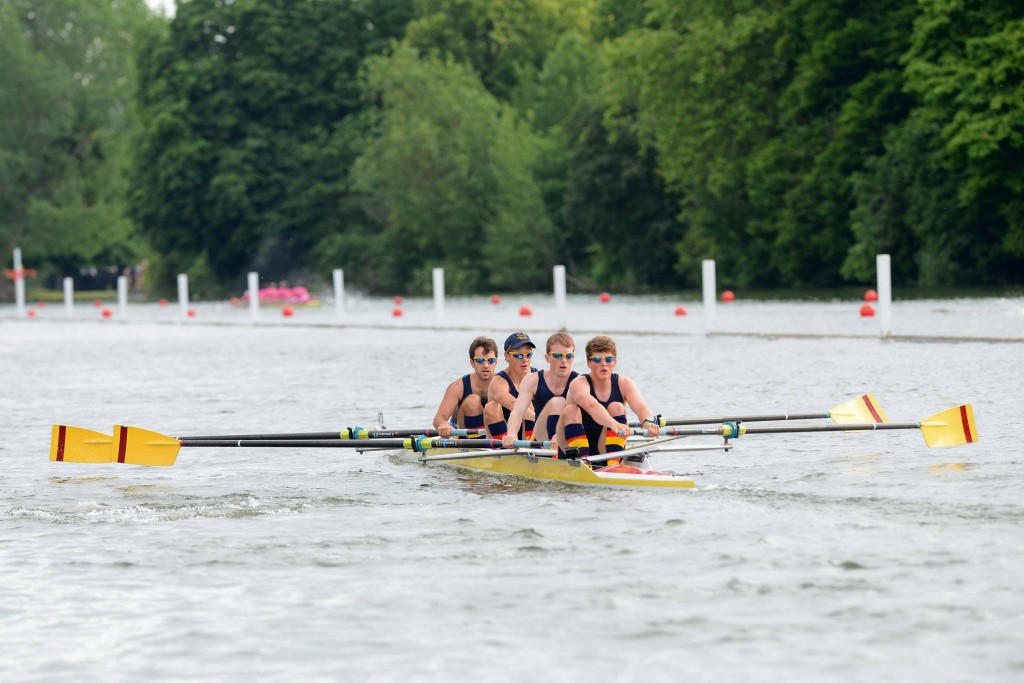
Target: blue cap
(517, 339)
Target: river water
(799, 557)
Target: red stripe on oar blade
(967, 424)
(871, 408)
(122, 444)
(62, 433)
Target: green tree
(248, 141)
(446, 175)
(66, 116)
(504, 41)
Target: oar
(136, 446)
(347, 433)
(951, 427)
(74, 444)
(859, 410)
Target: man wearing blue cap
(503, 391)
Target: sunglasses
(598, 359)
(521, 356)
(558, 355)
(481, 361)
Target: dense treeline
(791, 140)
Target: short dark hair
(486, 342)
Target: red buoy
(97, 303)
(398, 300)
(728, 296)
(106, 313)
(867, 311)
(605, 297)
(191, 312)
(495, 299)
(41, 304)
(397, 311)
(680, 310)
(31, 312)
(287, 311)
(525, 311)
(163, 302)
(871, 295)
(234, 301)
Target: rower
(594, 417)
(545, 391)
(463, 402)
(502, 393)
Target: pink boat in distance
(280, 296)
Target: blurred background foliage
(790, 140)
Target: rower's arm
(446, 410)
(527, 390)
(498, 392)
(636, 402)
(579, 392)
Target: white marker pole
(19, 285)
(183, 294)
(339, 292)
(254, 296)
(122, 297)
(561, 320)
(883, 268)
(710, 287)
(439, 295)
(69, 297)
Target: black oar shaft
(833, 428)
(294, 443)
(727, 428)
(353, 433)
(410, 443)
(743, 418)
(260, 437)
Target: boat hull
(549, 469)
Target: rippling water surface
(798, 557)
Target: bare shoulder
(529, 382)
(626, 385)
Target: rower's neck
(515, 374)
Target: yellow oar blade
(135, 446)
(74, 444)
(860, 410)
(951, 427)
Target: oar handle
(427, 443)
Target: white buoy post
(254, 296)
(19, 284)
(710, 287)
(438, 274)
(883, 268)
(122, 297)
(561, 318)
(69, 297)
(339, 292)
(183, 294)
